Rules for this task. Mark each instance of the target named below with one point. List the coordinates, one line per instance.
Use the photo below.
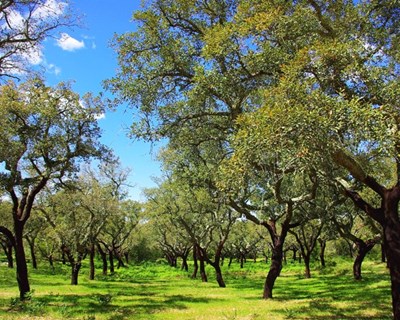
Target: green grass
(156, 291)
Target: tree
(187, 67)
(339, 95)
(206, 223)
(325, 73)
(271, 185)
(119, 226)
(244, 239)
(6, 239)
(77, 216)
(45, 133)
(306, 236)
(122, 219)
(353, 227)
(25, 25)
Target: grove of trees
(281, 128)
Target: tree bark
(51, 262)
(362, 249)
(103, 256)
(75, 267)
(91, 262)
(184, 263)
(20, 258)
(9, 254)
(322, 244)
(111, 259)
(195, 264)
(220, 279)
(242, 260)
(8, 251)
(120, 261)
(275, 269)
(31, 243)
(387, 215)
(307, 272)
(391, 231)
(199, 255)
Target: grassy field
(157, 291)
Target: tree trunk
(203, 270)
(126, 255)
(63, 258)
(391, 231)
(241, 260)
(363, 249)
(322, 248)
(184, 263)
(8, 251)
(75, 267)
(91, 262)
(307, 272)
(218, 272)
(103, 259)
(111, 259)
(9, 254)
(31, 243)
(195, 264)
(274, 271)
(230, 261)
(51, 262)
(120, 261)
(22, 269)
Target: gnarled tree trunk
(362, 249)
(275, 268)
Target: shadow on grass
(120, 302)
(331, 296)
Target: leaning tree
(45, 132)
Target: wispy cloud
(50, 9)
(28, 54)
(52, 68)
(68, 43)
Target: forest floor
(157, 291)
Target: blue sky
(84, 56)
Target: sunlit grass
(156, 291)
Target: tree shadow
(120, 302)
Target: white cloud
(33, 55)
(100, 116)
(50, 9)
(53, 69)
(28, 54)
(66, 42)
